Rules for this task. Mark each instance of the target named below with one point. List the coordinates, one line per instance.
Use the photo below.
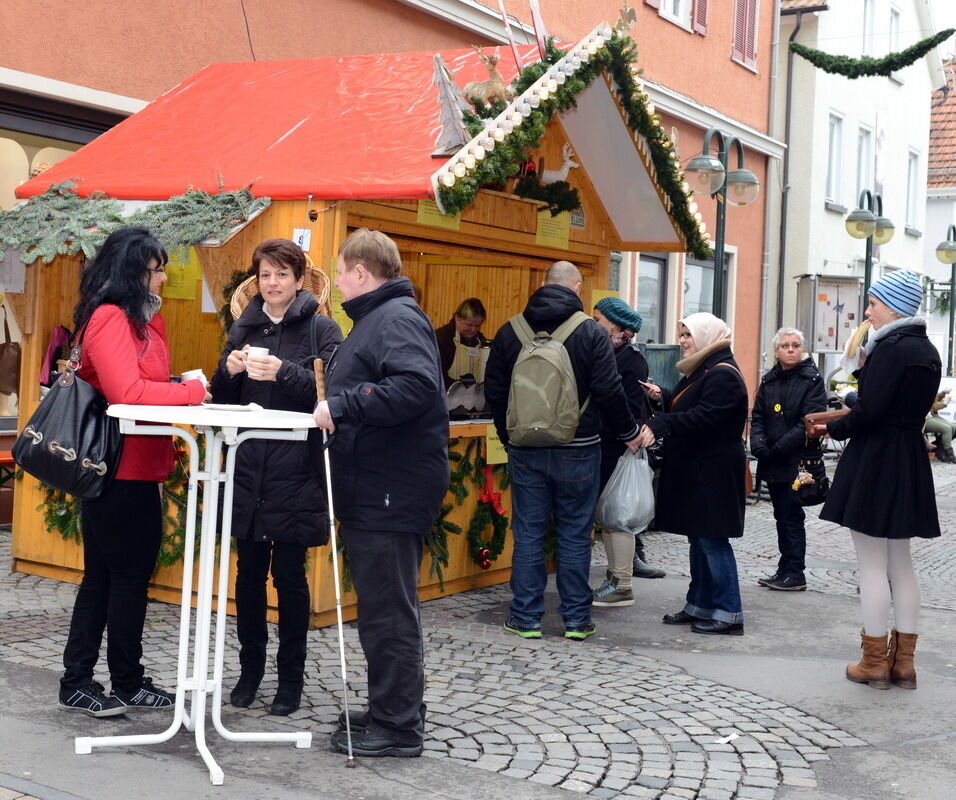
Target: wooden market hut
(341, 143)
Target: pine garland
(558, 195)
(505, 159)
(866, 66)
(60, 222)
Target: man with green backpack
(551, 376)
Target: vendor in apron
(460, 342)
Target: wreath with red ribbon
(488, 511)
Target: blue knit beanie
(899, 290)
(620, 313)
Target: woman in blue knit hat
(625, 552)
(883, 487)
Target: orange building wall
(141, 48)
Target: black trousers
(287, 562)
(791, 535)
(122, 531)
(384, 568)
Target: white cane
(320, 395)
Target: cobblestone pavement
(593, 719)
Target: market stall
(569, 163)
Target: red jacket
(131, 370)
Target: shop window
(746, 19)
(652, 298)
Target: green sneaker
(607, 595)
(513, 626)
(578, 632)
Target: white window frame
(683, 15)
(834, 184)
(896, 23)
(869, 24)
(912, 188)
(864, 161)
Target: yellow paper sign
(553, 231)
(338, 313)
(599, 294)
(182, 273)
(428, 214)
(496, 450)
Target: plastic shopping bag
(627, 502)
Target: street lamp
(739, 187)
(862, 223)
(946, 253)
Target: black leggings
(122, 531)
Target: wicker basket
(313, 280)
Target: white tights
(886, 577)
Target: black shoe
(680, 618)
(716, 627)
(288, 699)
(525, 632)
(641, 569)
(245, 690)
(579, 632)
(146, 696)
(90, 700)
(358, 721)
(789, 584)
(768, 579)
(374, 745)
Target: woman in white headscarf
(701, 487)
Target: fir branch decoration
(616, 58)
(58, 222)
(61, 513)
(558, 195)
(867, 66)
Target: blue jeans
(558, 484)
(713, 592)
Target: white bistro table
(219, 427)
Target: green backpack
(543, 408)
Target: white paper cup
(255, 352)
(195, 375)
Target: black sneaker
(513, 626)
(90, 700)
(147, 696)
(789, 584)
(578, 632)
(768, 579)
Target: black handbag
(9, 360)
(69, 442)
(811, 485)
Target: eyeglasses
(793, 346)
(685, 336)
(160, 270)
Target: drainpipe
(782, 260)
(765, 261)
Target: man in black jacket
(558, 484)
(386, 405)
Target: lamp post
(946, 253)
(739, 187)
(862, 223)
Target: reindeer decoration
(493, 87)
(561, 174)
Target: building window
(864, 161)
(698, 287)
(835, 159)
(690, 14)
(894, 29)
(745, 32)
(652, 298)
(912, 190)
(868, 27)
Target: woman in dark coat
(883, 487)
(279, 508)
(700, 492)
(790, 389)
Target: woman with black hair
(125, 355)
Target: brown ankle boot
(902, 650)
(874, 667)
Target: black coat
(387, 398)
(777, 435)
(700, 491)
(883, 485)
(280, 488)
(592, 358)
